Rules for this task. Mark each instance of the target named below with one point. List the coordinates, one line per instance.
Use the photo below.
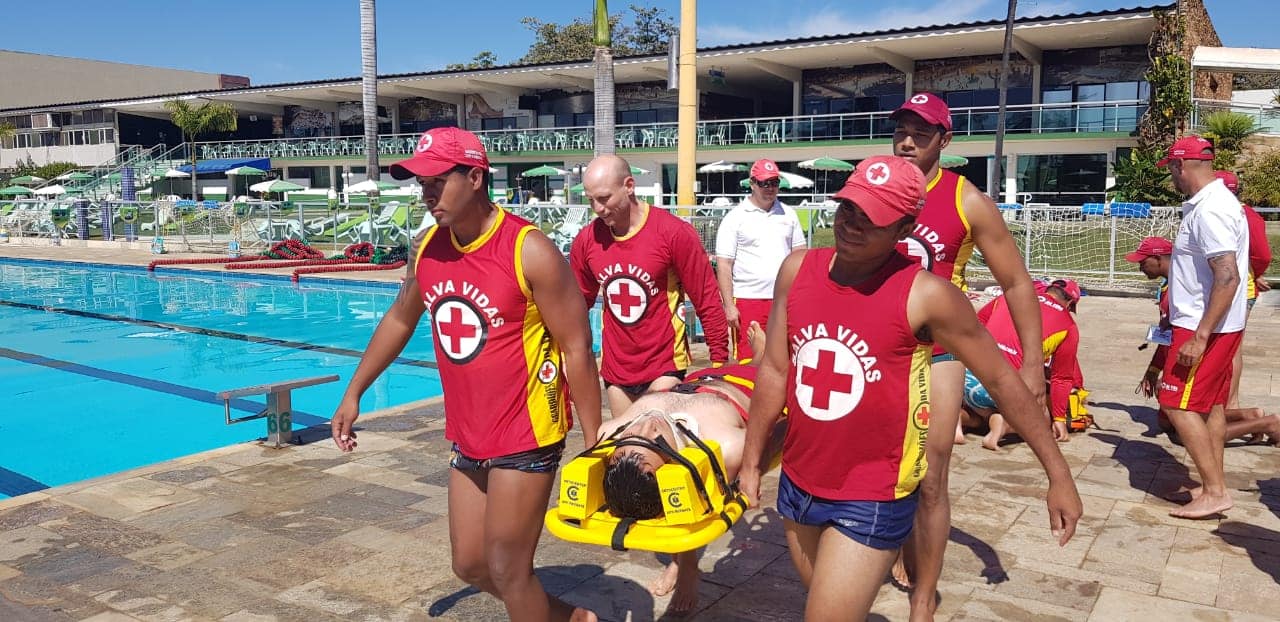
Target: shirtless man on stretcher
(712, 404)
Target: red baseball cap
(930, 107)
(1189, 147)
(886, 188)
(440, 149)
(1150, 247)
(1070, 287)
(764, 170)
(1229, 179)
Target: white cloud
(833, 21)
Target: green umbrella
(248, 171)
(27, 180)
(577, 188)
(826, 164)
(14, 191)
(76, 176)
(545, 170)
(369, 185)
(951, 161)
(242, 171)
(276, 185)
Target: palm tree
(197, 120)
(369, 85)
(1228, 130)
(604, 102)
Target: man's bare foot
(1204, 506)
(960, 439)
(1196, 492)
(755, 338)
(666, 581)
(899, 572)
(583, 615)
(998, 428)
(685, 598)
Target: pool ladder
(278, 412)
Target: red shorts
(1204, 385)
(750, 310)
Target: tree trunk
(369, 85)
(997, 173)
(191, 144)
(604, 101)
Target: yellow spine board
(681, 503)
(687, 524)
(582, 485)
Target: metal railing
(1079, 117)
(1265, 116)
(1077, 241)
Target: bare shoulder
(539, 251)
(979, 209)
(932, 296)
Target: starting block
(279, 410)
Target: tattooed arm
(1226, 280)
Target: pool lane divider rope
(346, 268)
(212, 332)
(286, 254)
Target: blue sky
(293, 40)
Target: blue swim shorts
(976, 395)
(882, 525)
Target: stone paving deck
(246, 533)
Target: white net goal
(1090, 248)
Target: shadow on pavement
(1139, 413)
(1262, 544)
(992, 570)
(1142, 459)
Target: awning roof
(219, 165)
(1236, 59)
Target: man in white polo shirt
(752, 241)
(1208, 309)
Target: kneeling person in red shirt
(1060, 345)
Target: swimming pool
(106, 368)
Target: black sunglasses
(772, 183)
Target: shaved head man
(1207, 299)
(642, 261)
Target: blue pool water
(106, 368)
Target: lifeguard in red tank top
(858, 385)
(941, 240)
(643, 278)
(502, 366)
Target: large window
(1096, 112)
(1064, 179)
